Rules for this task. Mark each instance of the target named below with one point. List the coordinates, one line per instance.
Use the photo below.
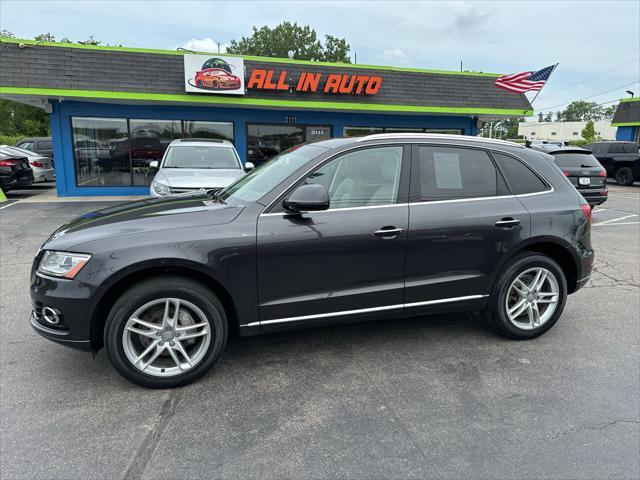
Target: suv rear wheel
(528, 297)
(165, 332)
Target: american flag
(525, 81)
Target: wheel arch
(557, 249)
(120, 282)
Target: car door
(345, 261)
(462, 222)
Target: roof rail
(437, 136)
(212, 140)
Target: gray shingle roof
(627, 112)
(69, 68)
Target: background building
(114, 109)
(564, 131)
(627, 119)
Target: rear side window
(579, 160)
(519, 177)
(444, 173)
(44, 145)
(616, 148)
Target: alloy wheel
(532, 298)
(166, 337)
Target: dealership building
(115, 109)
(627, 119)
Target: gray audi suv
(348, 229)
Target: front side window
(44, 145)
(364, 178)
(201, 157)
(519, 177)
(446, 173)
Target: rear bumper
(595, 197)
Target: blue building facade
(627, 119)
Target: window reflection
(116, 152)
(149, 140)
(265, 141)
(101, 150)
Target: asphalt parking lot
(433, 397)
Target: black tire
(215, 84)
(624, 176)
(156, 288)
(496, 314)
(199, 84)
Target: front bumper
(75, 301)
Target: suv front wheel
(528, 298)
(165, 332)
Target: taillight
(37, 164)
(566, 174)
(586, 209)
(8, 163)
(603, 173)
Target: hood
(151, 215)
(197, 178)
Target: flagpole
(538, 93)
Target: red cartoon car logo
(216, 79)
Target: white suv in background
(192, 164)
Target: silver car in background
(191, 164)
(42, 166)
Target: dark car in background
(582, 169)
(351, 229)
(40, 145)
(15, 172)
(620, 159)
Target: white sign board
(214, 74)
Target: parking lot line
(5, 206)
(607, 222)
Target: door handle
(507, 222)
(388, 232)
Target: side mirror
(248, 166)
(153, 164)
(307, 198)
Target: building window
(361, 131)
(101, 151)
(265, 141)
(553, 134)
(195, 129)
(116, 152)
(533, 133)
(575, 134)
(597, 133)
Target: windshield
(579, 160)
(262, 180)
(201, 157)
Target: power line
(595, 76)
(591, 96)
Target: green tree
(609, 112)
(548, 117)
(541, 117)
(19, 119)
(302, 40)
(580, 111)
(589, 132)
(45, 37)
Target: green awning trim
(239, 101)
(626, 124)
(246, 57)
(630, 99)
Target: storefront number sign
(261, 79)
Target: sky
(596, 44)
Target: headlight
(160, 188)
(62, 264)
